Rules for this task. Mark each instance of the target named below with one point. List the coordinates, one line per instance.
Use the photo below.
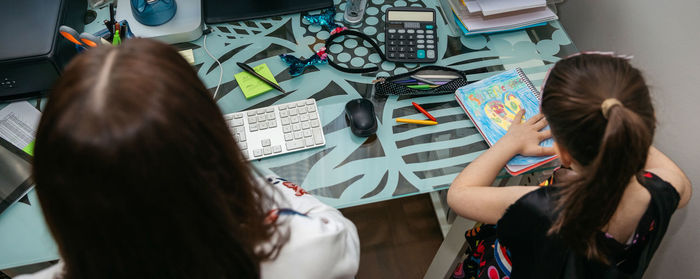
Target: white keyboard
(277, 129)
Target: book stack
(490, 16)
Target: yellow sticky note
(188, 54)
(251, 85)
(29, 149)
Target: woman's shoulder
(320, 241)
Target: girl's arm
(469, 195)
(659, 164)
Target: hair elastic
(608, 104)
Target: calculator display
(410, 16)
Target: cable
(221, 69)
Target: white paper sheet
(18, 123)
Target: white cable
(221, 69)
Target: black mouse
(360, 115)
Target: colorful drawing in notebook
(503, 112)
(493, 103)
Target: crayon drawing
(492, 104)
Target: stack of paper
(488, 16)
(493, 7)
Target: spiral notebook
(492, 103)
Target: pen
(110, 27)
(124, 32)
(423, 80)
(252, 72)
(423, 111)
(414, 121)
(111, 15)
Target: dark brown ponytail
(610, 150)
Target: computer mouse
(360, 116)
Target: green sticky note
(29, 149)
(251, 85)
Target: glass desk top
(400, 160)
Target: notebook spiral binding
(529, 84)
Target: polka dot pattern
(357, 62)
(350, 43)
(371, 11)
(371, 20)
(344, 57)
(323, 35)
(375, 58)
(336, 48)
(361, 51)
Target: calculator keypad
(411, 42)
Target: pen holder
(449, 80)
(105, 34)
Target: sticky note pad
(188, 54)
(251, 85)
(29, 149)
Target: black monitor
(218, 11)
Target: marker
(254, 73)
(423, 111)
(116, 40)
(414, 121)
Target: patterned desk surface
(400, 160)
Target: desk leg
(451, 250)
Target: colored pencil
(414, 121)
(423, 111)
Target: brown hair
(610, 151)
(138, 173)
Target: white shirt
(321, 244)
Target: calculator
(411, 35)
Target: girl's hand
(524, 138)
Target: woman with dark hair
(606, 211)
(139, 176)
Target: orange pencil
(419, 108)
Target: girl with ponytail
(607, 208)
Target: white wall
(664, 37)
